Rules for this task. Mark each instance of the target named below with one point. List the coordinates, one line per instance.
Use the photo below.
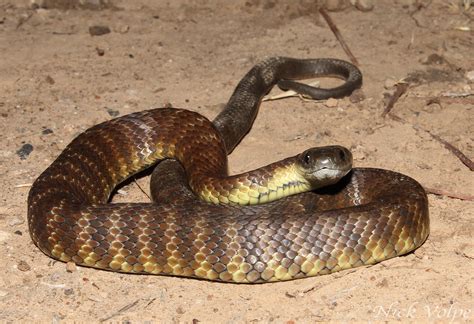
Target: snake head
(323, 166)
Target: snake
(306, 215)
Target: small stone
(331, 103)
(3, 293)
(71, 267)
(50, 80)
(335, 5)
(112, 112)
(47, 131)
(433, 59)
(180, 310)
(470, 75)
(124, 29)
(69, 291)
(18, 232)
(100, 51)
(357, 96)
(24, 151)
(23, 266)
(15, 221)
(99, 30)
(424, 166)
(363, 5)
(382, 283)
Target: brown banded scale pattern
(371, 215)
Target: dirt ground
(56, 80)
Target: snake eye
(307, 158)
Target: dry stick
(338, 35)
(401, 89)
(464, 159)
(22, 20)
(440, 192)
(450, 100)
(460, 155)
(141, 189)
(120, 311)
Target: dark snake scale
(369, 216)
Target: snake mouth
(327, 175)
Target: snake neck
(263, 185)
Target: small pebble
(55, 276)
(363, 5)
(47, 131)
(3, 293)
(433, 59)
(50, 80)
(357, 96)
(69, 291)
(100, 51)
(113, 113)
(16, 221)
(137, 76)
(99, 30)
(424, 166)
(24, 151)
(331, 103)
(23, 266)
(18, 232)
(71, 267)
(335, 5)
(382, 283)
(470, 75)
(124, 29)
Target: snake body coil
(369, 216)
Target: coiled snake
(368, 216)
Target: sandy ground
(56, 80)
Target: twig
(402, 87)
(63, 33)
(22, 20)
(460, 155)
(450, 100)
(289, 93)
(143, 191)
(441, 192)
(23, 185)
(451, 94)
(338, 35)
(121, 310)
